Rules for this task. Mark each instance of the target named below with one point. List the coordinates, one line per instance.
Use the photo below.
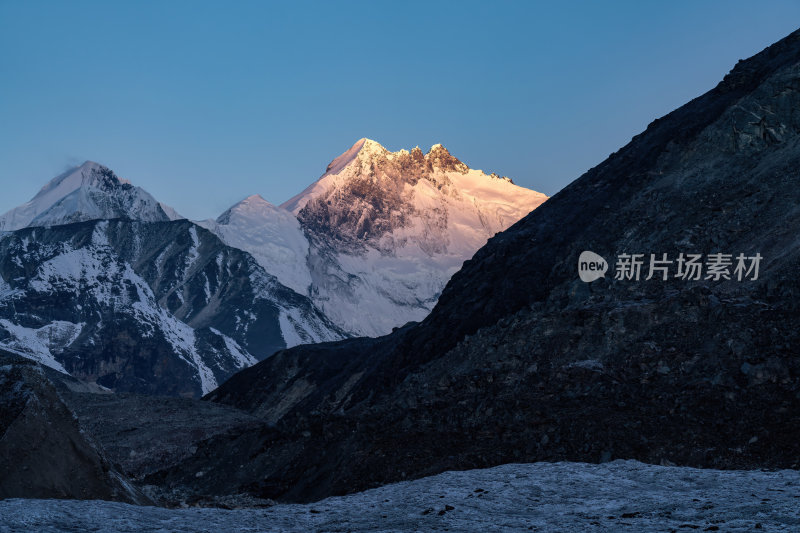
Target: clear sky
(205, 103)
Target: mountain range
(101, 281)
(520, 360)
(375, 239)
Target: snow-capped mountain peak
(363, 148)
(369, 194)
(89, 174)
(87, 192)
(271, 234)
(252, 205)
(368, 158)
(439, 157)
(386, 230)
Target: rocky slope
(43, 453)
(520, 361)
(375, 239)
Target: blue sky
(204, 103)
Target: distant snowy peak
(369, 194)
(88, 192)
(386, 231)
(368, 146)
(365, 155)
(251, 207)
(271, 234)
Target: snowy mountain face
(160, 307)
(88, 192)
(101, 281)
(389, 229)
(272, 235)
(375, 239)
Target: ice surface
(563, 497)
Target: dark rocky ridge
(142, 434)
(520, 361)
(43, 453)
(61, 437)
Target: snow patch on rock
(39, 343)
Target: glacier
(559, 497)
